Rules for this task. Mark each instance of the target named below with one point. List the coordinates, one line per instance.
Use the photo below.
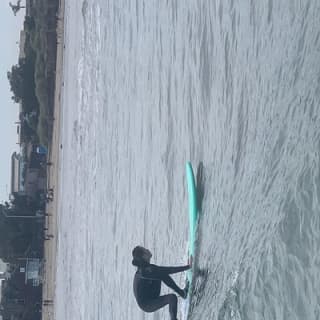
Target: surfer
(147, 283)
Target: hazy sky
(10, 27)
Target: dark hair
(137, 254)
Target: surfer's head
(141, 256)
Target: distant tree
(9, 230)
(29, 23)
(16, 7)
(22, 84)
(16, 81)
(15, 234)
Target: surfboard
(193, 214)
(193, 221)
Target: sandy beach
(50, 246)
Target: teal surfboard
(193, 217)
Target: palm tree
(16, 7)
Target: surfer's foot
(185, 291)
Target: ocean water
(232, 86)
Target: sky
(10, 27)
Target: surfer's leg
(162, 273)
(158, 303)
(171, 284)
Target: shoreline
(53, 173)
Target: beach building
(35, 176)
(21, 292)
(19, 126)
(28, 173)
(22, 42)
(33, 272)
(16, 172)
(3, 266)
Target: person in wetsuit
(147, 283)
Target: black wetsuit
(147, 287)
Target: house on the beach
(28, 173)
(21, 289)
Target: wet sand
(50, 245)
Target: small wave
(231, 306)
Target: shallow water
(149, 85)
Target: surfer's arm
(156, 272)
